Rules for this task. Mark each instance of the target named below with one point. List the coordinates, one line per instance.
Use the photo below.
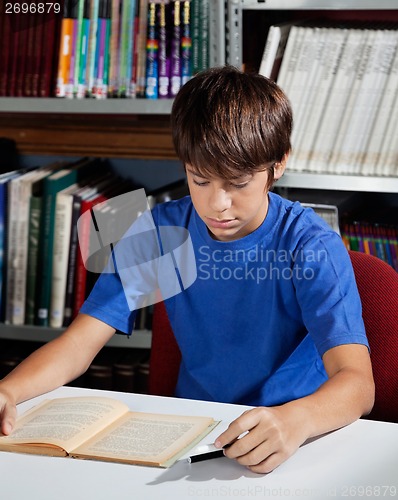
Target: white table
(360, 460)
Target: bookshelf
(139, 128)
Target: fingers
(258, 440)
(8, 419)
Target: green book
(33, 247)
(52, 184)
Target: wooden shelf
(103, 135)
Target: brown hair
(227, 123)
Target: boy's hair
(227, 123)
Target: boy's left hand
(273, 436)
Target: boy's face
(231, 209)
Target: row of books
(104, 48)
(374, 239)
(343, 86)
(114, 369)
(50, 259)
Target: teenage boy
(273, 319)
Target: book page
(65, 422)
(147, 438)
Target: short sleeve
(327, 293)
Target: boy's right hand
(8, 413)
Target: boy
(273, 317)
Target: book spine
(101, 91)
(126, 29)
(152, 49)
(27, 82)
(69, 87)
(63, 218)
(33, 246)
(15, 41)
(186, 43)
(130, 45)
(50, 40)
(141, 48)
(36, 71)
(101, 46)
(175, 69)
(12, 243)
(164, 61)
(79, 43)
(195, 29)
(84, 45)
(64, 57)
(84, 242)
(204, 35)
(114, 48)
(269, 52)
(64, 51)
(72, 260)
(92, 44)
(3, 249)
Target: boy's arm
(54, 364)
(275, 433)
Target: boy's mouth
(219, 223)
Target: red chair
(378, 287)
(165, 355)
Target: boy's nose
(220, 201)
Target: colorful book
(69, 91)
(114, 48)
(83, 52)
(186, 43)
(52, 185)
(175, 56)
(164, 50)
(140, 48)
(152, 50)
(103, 46)
(65, 50)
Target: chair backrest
(165, 355)
(378, 288)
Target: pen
(205, 452)
(206, 456)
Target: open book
(101, 428)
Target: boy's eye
(240, 186)
(202, 183)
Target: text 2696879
(32, 8)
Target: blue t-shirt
(263, 309)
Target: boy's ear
(279, 168)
